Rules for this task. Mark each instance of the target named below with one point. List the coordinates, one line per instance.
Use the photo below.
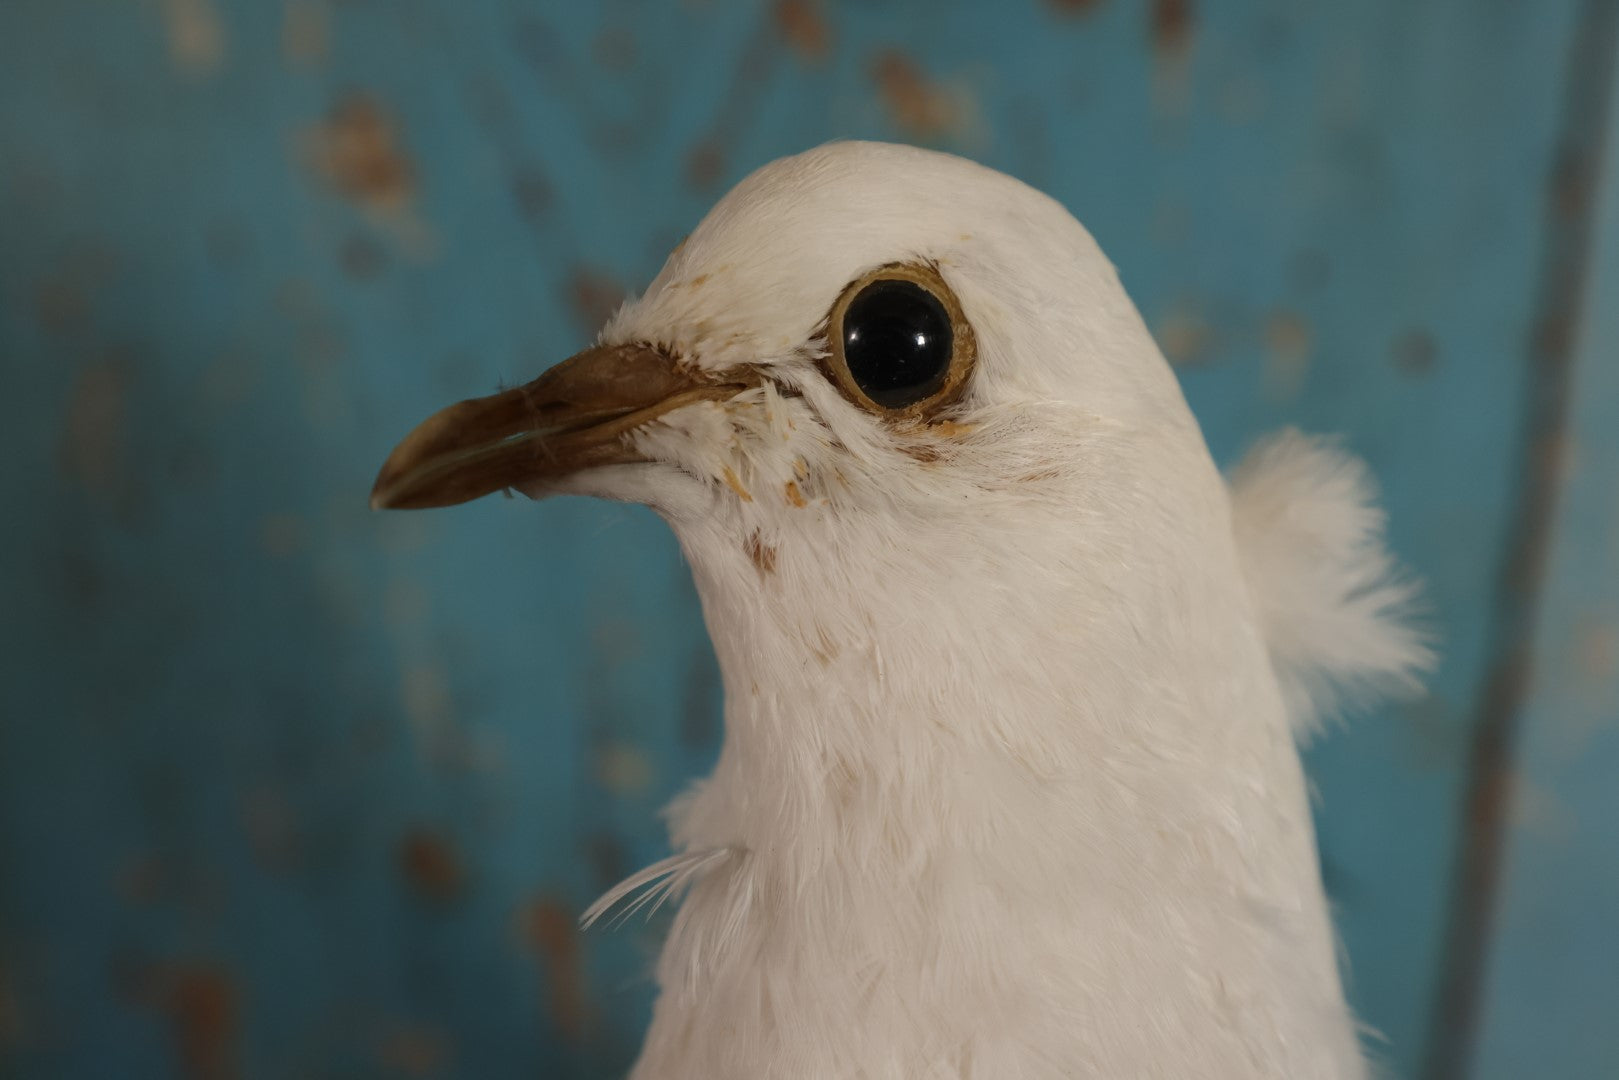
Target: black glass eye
(897, 343)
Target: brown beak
(571, 418)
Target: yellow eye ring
(898, 343)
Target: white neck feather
(1004, 795)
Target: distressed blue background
(289, 789)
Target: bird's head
(870, 367)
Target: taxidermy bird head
(1012, 676)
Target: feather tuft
(664, 880)
(1335, 609)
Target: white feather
(664, 880)
(1335, 610)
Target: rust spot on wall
(550, 931)
(1172, 25)
(1571, 185)
(1415, 352)
(357, 151)
(1074, 7)
(1184, 336)
(414, 1051)
(593, 296)
(919, 107)
(623, 768)
(804, 26)
(761, 554)
(196, 35)
(92, 446)
(305, 32)
(202, 1008)
(1287, 332)
(431, 866)
(1288, 337)
(705, 164)
(1596, 651)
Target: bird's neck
(979, 827)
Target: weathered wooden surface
(291, 789)
(1548, 1004)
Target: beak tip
(385, 492)
(572, 417)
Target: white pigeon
(1009, 786)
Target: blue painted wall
(292, 789)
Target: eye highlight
(898, 342)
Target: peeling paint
(1170, 28)
(282, 535)
(916, 104)
(431, 866)
(1288, 339)
(804, 26)
(1596, 651)
(425, 691)
(202, 1006)
(196, 36)
(1539, 812)
(357, 151)
(624, 769)
(1184, 335)
(1172, 24)
(551, 933)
